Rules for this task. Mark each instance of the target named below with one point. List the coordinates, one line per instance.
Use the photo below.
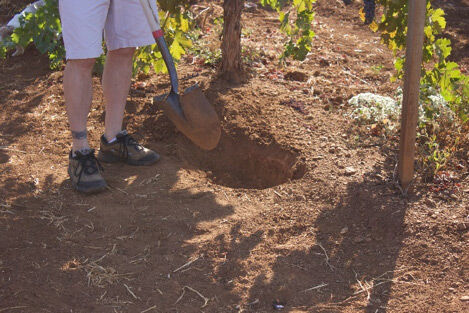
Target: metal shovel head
(193, 116)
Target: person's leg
(125, 29)
(116, 84)
(78, 95)
(116, 144)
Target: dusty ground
(268, 218)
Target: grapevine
(441, 126)
(299, 32)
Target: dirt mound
(241, 162)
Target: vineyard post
(410, 102)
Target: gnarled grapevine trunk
(231, 65)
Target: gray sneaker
(85, 172)
(126, 149)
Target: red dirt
(263, 219)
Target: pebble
(358, 239)
(464, 298)
(430, 203)
(350, 171)
(344, 230)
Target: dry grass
(53, 219)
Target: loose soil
(296, 210)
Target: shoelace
(89, 164)
(126, 141)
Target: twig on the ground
(353, 75)
(6, 209)
(99, 275)
(195, 291)
(13, 308)
(396, 183)
(150, 180)
(226, 196)
(57, 221)
(364, 289)
(5, 148)
(186, 265)
(102, 296)
(367, 289)
(130, 291)
(143, 257)
(118, 189)
(149, 309)
(373, 285)
(278, 194)
(316, 287)
(131, 236)
(327, 257)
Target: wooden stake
(410, 102)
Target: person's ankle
(79, 146)
(111, 137)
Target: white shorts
(84, 22)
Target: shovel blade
(194, 116)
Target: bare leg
(116, 84)
(78, 95)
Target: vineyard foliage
(439, 75)
(443, 122)
(437, 71)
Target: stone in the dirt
(464, 298)
(358, 239)
(296, 76)
(250, 7)
(344, 230)
(349, 171)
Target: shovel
(190, 112)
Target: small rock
(349, 171)
(344, 230)
(430, 202)
(296, 76)
(455, 284)
(324, 63)
(358, 239)
(451, 289)
(250, 7)
(464, 298)
(462, 226)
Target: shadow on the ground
(353, 259)
(13, 82)
(140, 228)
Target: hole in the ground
(242, 163)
